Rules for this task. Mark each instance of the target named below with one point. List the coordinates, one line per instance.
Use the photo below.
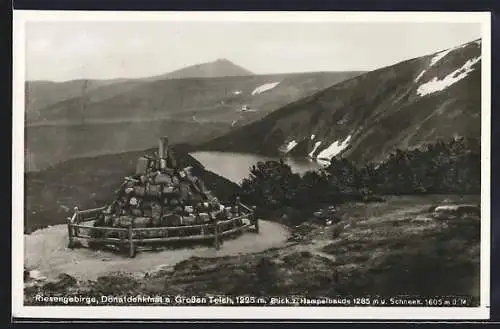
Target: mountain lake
(236, 166)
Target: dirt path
(45, 251)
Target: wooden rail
(132, 237)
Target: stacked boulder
(163, 195)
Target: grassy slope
(148, 98)
(41, 94)
(90, 182)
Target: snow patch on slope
(420, 75)
(313, 136)
(334, 149)
(323, 163)
(316, 145)
(36, 275)
(264, 87)
(237, 92)
(436, 85)
(290, 146)
(434, 60)
(440, 56)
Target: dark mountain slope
(365, 118)
(50, 144)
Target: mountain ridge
(366, 117)
(43, 93)
(147, 98)
(218, 68)
(194, 110)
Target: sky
(60, 51)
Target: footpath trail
(46, 251)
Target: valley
(48, 145)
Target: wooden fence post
(70, 234)
(77, 214)
(255, 219)
(131, 251)
(238, 205)
(216, 234)
(77, 219)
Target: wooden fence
(130, 238)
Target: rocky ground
(396, 247)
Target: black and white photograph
(320, 165)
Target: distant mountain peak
(221, 67)
(223, 60)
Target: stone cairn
(161, 194)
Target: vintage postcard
(251, 165)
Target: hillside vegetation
(441, 168)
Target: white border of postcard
(208, 312)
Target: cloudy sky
(60, 51)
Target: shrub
(452, 167)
